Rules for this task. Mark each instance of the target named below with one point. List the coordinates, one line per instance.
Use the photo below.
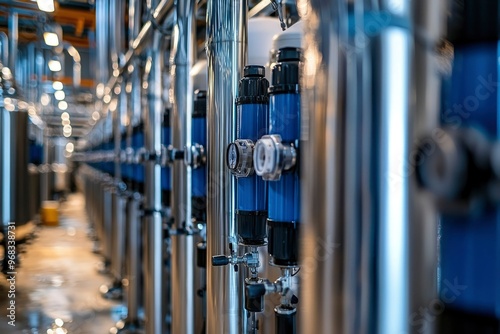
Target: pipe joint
(272, 157)
(195, 156)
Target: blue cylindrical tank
(284, 194)
(165, 171)
(138, 169)
(252, 112)
(199, 136)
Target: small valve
(195, 156)
(277, 7)
(239, 157)
(272, 157)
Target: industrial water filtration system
(338, 177)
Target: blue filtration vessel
(252, 116)
(138, 169)
(284, 194)
(199, 174)
(166, 186)
(469, 245)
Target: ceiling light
(46, 5)
(45, 99)
(51, 38)
(65, 122)
(59, 95)
(63, 105)
(96, 115)
(70, 147)
(65, 115)
(55, 65)
(57, 85)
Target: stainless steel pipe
(4, 41)
(183, 244)
(13, 41)
(153, 226)
(429, 17)
(226, 52)
(323, 236)
(133, 260)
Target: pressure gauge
(232, 156)
(239, 157)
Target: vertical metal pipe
(4, 42)
(183, 244)
(133, 257)
(153, 228)
(5, 122)
(13, 39)
(324, 232)
(102, 21)
(226, 52)
(429, 21)
(116, 14)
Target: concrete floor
(57, 284)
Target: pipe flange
(195, 156)
(271, 157)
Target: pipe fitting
(195, 156)
(272, 157)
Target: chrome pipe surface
(183, 245)
(102, 68)
(13, 40)
(4, 41)
(134, 258)
(117, 235)
(429, 17)
(323, 232)
(153, 273)
(153, 229)
(226, 54)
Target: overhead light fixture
(63, 105)
(65, 116)
(46, 5)
(59, 95)
(51, 38)
(55, 65)
(57, 85)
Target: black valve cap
(220, 260)
(254, 71)
(179, 155)
(201, 254)
(255, 290)
(294, 300)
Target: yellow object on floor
(50, 213)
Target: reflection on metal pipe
(153, 228)
(226, 51)
(323, 117)
(13, 39)
(183, 244)
(4, 50)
